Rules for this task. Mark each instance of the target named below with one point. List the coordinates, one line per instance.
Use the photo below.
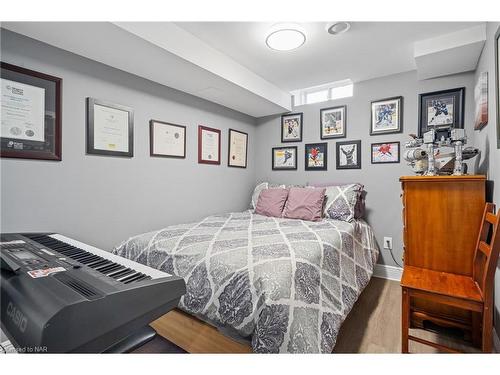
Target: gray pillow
(342, 201)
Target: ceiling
(368, 50)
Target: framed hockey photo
(387, 116)
(291, 127)
(383, 153)
(316, 157)
(441, 109)
(284, 158)
(349, 155)
(333, 122)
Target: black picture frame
(201, 129)
(457, 95)
(322, 110)
(50, 148)
(230, 131)
(497, 83)
(293, 168)
(398, 160)
(152, 138)
(399, 129)
(91, 102)
(301, 124)
(356, 165)
(324, 149)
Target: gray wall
(486, 139)
(381, 180)
(103, 200)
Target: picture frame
(348, 155)
(387, 116)
(481, 101)
(167, 140)
(332, 122)
(209, 140)
(441, 109)
(237, 149)
(284, 158)
(33, 134)
(316, 156)
(291, 127)
(386, 152)
(103, 116)
(497, 82)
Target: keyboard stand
(133, 341)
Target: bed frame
(195, 336)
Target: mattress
(287, 285)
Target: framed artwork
(333, 122)
(31, 114)
(441, 109)
(497, 82)
(387, 116)
(284, 158)
(383, 153)
(291, 127)
(208, 145)
(349, 155)
(316, 156)
(237, 149)
(110, 129)
(481, 101)
(167, 140)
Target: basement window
(323, 93)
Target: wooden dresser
(441, 220)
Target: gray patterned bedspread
(286, 284)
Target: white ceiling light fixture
(285, 37)
(337, 28)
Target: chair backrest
(487, 249)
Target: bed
(273, 284)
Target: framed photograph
(383, 153)
(333, 122)
(237, 149)
(481, 101)
(291, 127)
(208, 145)
(284, 158)
(110, 129)
(167, 140)
(441, 109)
(31, 114)
(316, 156)
(497, 82)
(387, 116)
(349, 155)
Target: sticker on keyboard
(45, 272)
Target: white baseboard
(387, 272)
(496, 341)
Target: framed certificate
(30, 113)
(110, 129)
(167, 140)
(208, 145)
(237, 149)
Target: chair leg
(405, 320)
(487, 329)
(477, 321)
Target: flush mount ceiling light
(285, 37)
(337, 28)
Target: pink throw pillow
(304, 204)
(271, 202)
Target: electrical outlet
(388, 243)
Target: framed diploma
(110, 129)
(237, 152)
(167, 140)
(30, 114)
(208, 145)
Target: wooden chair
(469, 293)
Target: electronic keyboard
(60, 295)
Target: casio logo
(17, 317)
